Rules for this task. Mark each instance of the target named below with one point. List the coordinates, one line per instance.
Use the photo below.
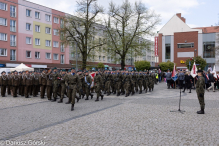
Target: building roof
(212, 29)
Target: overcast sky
(198, 13)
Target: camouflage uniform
(200, 90)
(98, 83)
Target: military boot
(77, 99)
(108, 93)
(202, 111)
(101, 97)
(60, 101)
(140, 92)
(118, 93)
(53, 100)
(69, 101)
(97, 99)
(72, 107)
(91, 96)
(86, 98)
(133, 93)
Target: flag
(174, 71)
(92, 77)
(194, 70)
(214, 71)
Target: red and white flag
(92, 77)
(194, 71)
(174, 71)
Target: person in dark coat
(188, 82)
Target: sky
(198, 13)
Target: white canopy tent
(22, 67)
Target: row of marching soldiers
(122, 82)
(62, 83)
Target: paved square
(142, 119)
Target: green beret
(69, 70)
(63, 70)
(73, 68)
(54, 68)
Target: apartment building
(29, 34)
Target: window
(103, 58)
(167, 51)
(55, 56)
(61, 36)
(13, 55)
(28, 40)
(72, 54)
(48, 43)
(13, 40)
(37, 15)
(48, 55)
(99, 49)
(48, 17)
(28, 13)
(185, 45)
(99, 58)
(62, 23)
(37, 55)
(28, 26)
(48, 30)
(55, 32)
(3, 21)
(62, 59)
(37, 28)
(62, 48)
(56, 20)
(12, 11)
(108, 59)
(13, 25)
(3, 52)
(209, 49)
(28, 54)
(3, 36)
(55, 44)
(3, 6)
(37, 41)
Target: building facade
(177, 42)
(29, 34)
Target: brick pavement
(143, 119)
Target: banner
(194, 71)
(92, 77)
(156, 46)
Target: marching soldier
(97, 84)
(87, 85)
(108, 82)
(27, 82)
(71, 82)
(126, 81)
(9, 84)
(22, 83)
(133, 80)
(140, 81)
(42, 82)
(56, 78)
(3, 83)
(118, 82)
(35, 84)
(15, 83)
(200, 90)
(80, 87)
(63, 86)
(49, 84)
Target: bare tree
(127, 25)
(80, 28)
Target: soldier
(151, 82)
(27, 82)
(22, 83)
(126, 82)
(63, 86)
(146, 82)
(200, 90)
(35, 84)
(15, 83)
(56, 83)
(108, 82)
(80, 87)
(98, 83)
(31, 86)
(49, 84)
(3, 83)
(71, 82)
(87, 84)
(140, 81)
(133, 81)
(112, 83)
(118, 81)
(9, 84)
(43, 82)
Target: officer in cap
(15, 83)
(3, 83)
(200, 90)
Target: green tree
(199, 60)
(79, 30)
(100, 65)
(127, 25)
(142, 65)
(164, 66)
